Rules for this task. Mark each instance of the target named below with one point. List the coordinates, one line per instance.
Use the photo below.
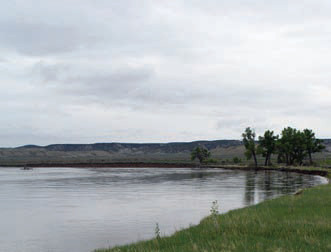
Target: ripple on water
(72, 209)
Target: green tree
(291, 146)
(299, 150)
(267, 145)
(284, 146)
(249, 143)
(313, 145)
(200, 153)
(236, 160)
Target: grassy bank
(299, 222)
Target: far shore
(325, 172)
(105, 165)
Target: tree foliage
(236, 160)
(295, 145)
(249, 143)
(313, 145)
(292, 146)
(200, 153)
(267, 145)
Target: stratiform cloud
(160, 71)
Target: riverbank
(300, 222)
(312, 170)
(107, 165)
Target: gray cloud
(40, 38)
(161, 70)
(85, 78)
(142, 86)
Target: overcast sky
(84, 71)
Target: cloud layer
(160, 71)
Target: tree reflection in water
(262, 185)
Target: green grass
(290, 223)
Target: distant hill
(123, 152)
(148, 147)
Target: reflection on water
(264, 185)
(69, 209)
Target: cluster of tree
(200, 153)
(292, 146)
(236, 160)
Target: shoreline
(211, 234)
(256, 211)
(105, 165)
(295, 222)
(312, 170)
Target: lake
(81, 209)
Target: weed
(157, 231)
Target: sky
(86, 71)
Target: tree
(298, 148)
(284, 145)
(249, 143)
(291, 146)
(200, 153)
(236, 160)
(313, 145)
(267, 145)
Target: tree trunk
(310, 158)
(255, 160)
(269, 159)
(266, 159)
(287, 159)
(200, 162)
(292, 158)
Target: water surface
(78, 210)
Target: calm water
(78, 210)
